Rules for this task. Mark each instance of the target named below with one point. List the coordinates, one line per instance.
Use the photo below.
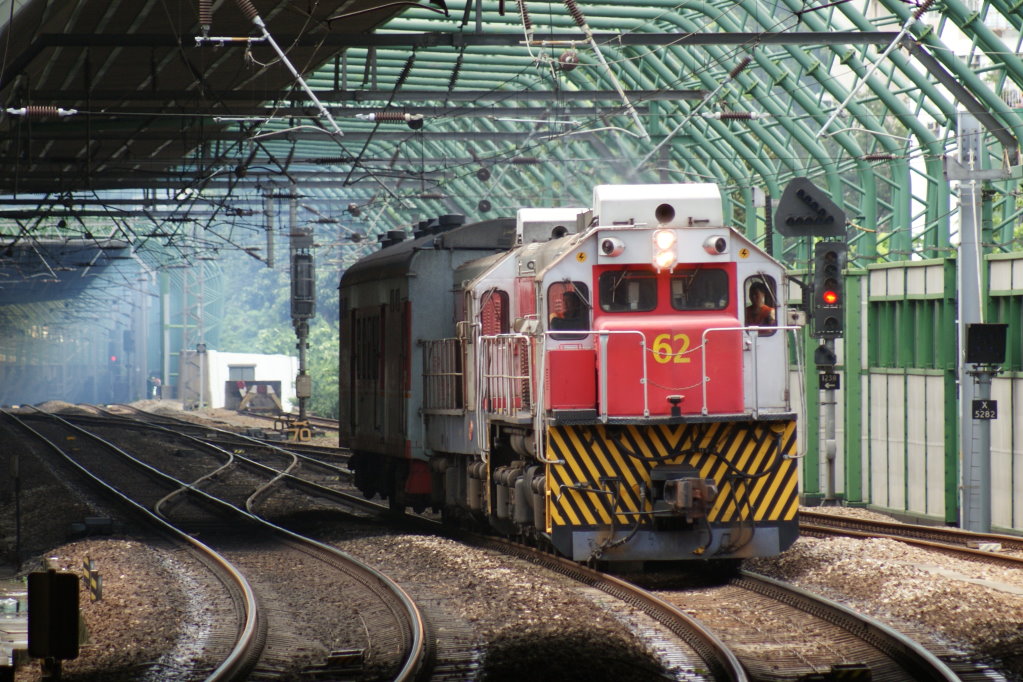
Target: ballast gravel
(145, 625)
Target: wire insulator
(456, 71)
(248, 9)
(403, 76)
(924, 6)
(879, 157)
(205, 15)
(390, 116)
(740, 67)
(527, 22)
(736, 115)
(40, 111)
(576, 13)
(414, 121)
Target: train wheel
(395, 504)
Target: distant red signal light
(113, 358)
(830, 297)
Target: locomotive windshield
(699, 289)
(628, 291)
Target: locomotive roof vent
(449, 221)
(420, 229)
(391, 237)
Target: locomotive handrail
(504, 380)
(703, 361)
(644, 380)
(602, 397)
(603, 333)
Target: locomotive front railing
(705, 378)
(506, 375)
(644, 379)
(603, 334)
(755, 335)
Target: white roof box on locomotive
(682, 205)
(544, 224)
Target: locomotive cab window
(569, 306)
(761, 302)
(699, 289)
(494, 313)
(628, 291)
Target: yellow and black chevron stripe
(606, 468)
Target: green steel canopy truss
(497, 105)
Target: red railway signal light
(828, 290)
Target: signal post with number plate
(807, 211)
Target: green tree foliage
(257, 319)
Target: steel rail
(720, 660)
(245, 652)
(912, 530)
(419, 645)
(418, 651)
(304, 451)
(919, 663)
(949, 540)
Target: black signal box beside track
(53, 615)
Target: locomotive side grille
(442, 374)
(606, 475)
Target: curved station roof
(178, 130)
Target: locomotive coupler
(680, 491)
(690, 497)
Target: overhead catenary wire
(580, 19)
(741, 66)
(903, 32)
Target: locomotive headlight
(664, 249)
(664, 239)
(612, 246)
(715, 246)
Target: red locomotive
(612, 381)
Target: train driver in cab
(569, 309)
(758, 312)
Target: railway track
(740, 646)
(236, 653)
(223, 436)
(395, 644)
(314, 422)
(707, 652)
(780, 632)
(987, 547)
(205, 470)
(711, 647)
(717, 657)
